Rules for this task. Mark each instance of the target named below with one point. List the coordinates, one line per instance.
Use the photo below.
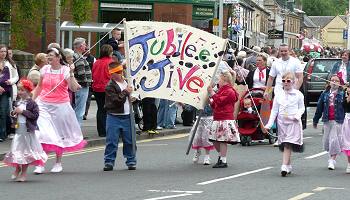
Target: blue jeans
(166, 115)
(81, 97)
(4, 112)
(116, 125)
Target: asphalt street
(165, 172)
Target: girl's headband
(27, 84)
(55, 50)
(117, 69)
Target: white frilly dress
(59, 130)
(287, 109)
(25, 148)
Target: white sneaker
(159, 128)
(289, 169)
(284, 170)
(275, 144)
(348, 169)
(57, 168)
(331, 164)
(196, 156)
(39, 170)
(206, 160)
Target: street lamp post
(221, 17)
(284, 21)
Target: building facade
(283, 17)
(197, 13)
(260, 23)
(246, 22)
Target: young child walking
(346, 128)
(201, 138)
(288, 107)
(223, 130)
(330, 108)
(25, 148)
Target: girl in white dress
(25, 148)
(288, 107)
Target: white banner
(172, 61)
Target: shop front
(202, 17)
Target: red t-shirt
(331, 113)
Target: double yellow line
(99, 148)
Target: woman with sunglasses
(330, 108)
(288, 106)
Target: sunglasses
(286, 80)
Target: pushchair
(249, 125)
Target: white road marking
(317, 155)
(301, 196)
(177, 191)
(319, 189)
(234, 176)
(170, 196)
(305, 138)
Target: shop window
(5, 33)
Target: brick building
(197, 13)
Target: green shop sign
(203, 12)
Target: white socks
(223, 159)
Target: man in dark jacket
(115, 42)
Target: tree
(30, 15)
(324, 7)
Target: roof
(321, 21)
(343, 17)
(308, 22)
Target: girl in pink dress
(25, 148)
(201, 138)
(59, 130)
(288, 107)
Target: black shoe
(217, 163)
(84, 117)
(283, 173)
(220, 164)
(132, 167)
(108, 168)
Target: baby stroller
(249, 124)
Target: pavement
(90, 132)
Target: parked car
(316, 73)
